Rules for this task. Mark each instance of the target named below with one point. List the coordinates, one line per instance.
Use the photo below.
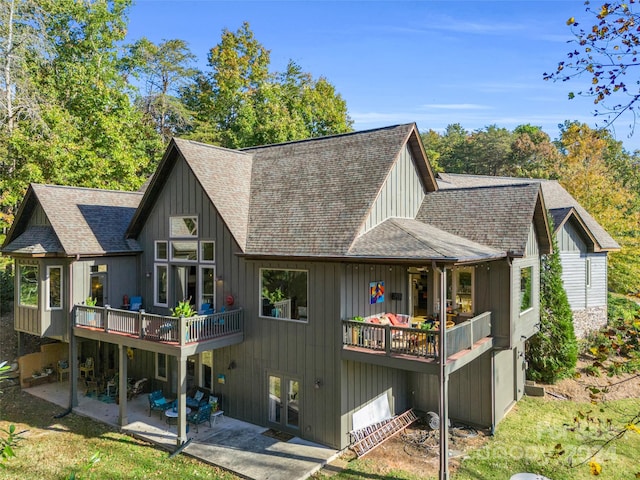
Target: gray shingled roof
(499, 217)
(225, 176)
(36, 239)
(310, 198)
(402, 238)
(84, 221)
(555, 197)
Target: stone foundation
(588, 320)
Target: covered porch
(177, 337)
(242, 448)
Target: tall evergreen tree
(552, 353)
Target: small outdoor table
(171, 413)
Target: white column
(444, 379)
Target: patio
(236, 446)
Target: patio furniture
(87, 368)
(92, 387)
(173, 412)
(157, 402)
(198, 396)
(137, 388)
(63, 367)
(203, 414)
(112, 385)
(136, 304)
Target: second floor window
(284, 294)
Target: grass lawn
(525, 442)
(55, 448)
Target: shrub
(6, 290)
(552, 353)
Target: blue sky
(435, 63)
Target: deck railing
(421, 343)
(159, 328)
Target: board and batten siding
(38, 217)
(401, 194)
(306, 351)
(182, 194)
(121, 278)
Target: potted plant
(356, 330)
(274, 297)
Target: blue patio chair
(136, 304)
(158, 403)
(203, 414)
(206, 309)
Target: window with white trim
(54, 287)
(587, 272)
(161, 252)
(161, 285)
(207, 287)
(284, 293)
(184, 251)
(526, 289)
(207, 251)
(28, 278)
(181, 227)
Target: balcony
(159, 329)
(395, 346)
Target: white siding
(597, 292)
(573, 278)
(400, 196)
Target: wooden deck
(178, 331)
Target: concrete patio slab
(236, 446)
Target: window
(207, 286)
(161, 285)
(183, 227)
(54, 288)
(161, 250)
(587, 272)
(161, 366)
(207, 252)
(526, 291)
(28, 287)
(283, 293)
(184, 251)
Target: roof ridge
(93, 189)
(208, 145)
(325, 137)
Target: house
(284, 249)
(582, 243)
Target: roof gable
(499, 217)
(224, 175)
(311, 198)
(83, 221)
(555, 197)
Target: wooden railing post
(105, 318)
(387, 339)
(182, 326)
(140, 325)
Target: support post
(73, 366)
(444, 380)
(182, 400)
(122, 385)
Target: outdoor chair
(203, 414)
(87, 368)
(158, 403)
(63, 367)
(136, 304)
(137, 388)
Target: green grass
(525, 442)
(56, 448)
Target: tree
(606, 52)
(552, 353)
(240, 103)
(164, 68)
(532, 153)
